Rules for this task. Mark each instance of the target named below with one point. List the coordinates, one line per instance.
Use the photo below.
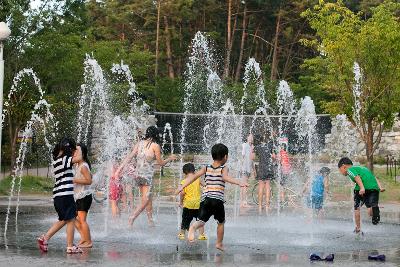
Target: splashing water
(342, 142)
(41, 119)
(253, 71)
(92, 91)
(138, 105)
(357, 93)
(286, 110)
(306, 122)
(200, 72)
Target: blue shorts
(315, 202)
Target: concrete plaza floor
(250, 239)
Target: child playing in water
(366, 191)
(212, 201)
(63, 194)
(318, 189)
(83, 196)
(115, 192)
(190, 201)
(286, 169)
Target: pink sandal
(74, 250)
(42, 242)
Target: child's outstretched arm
(358, 181)
(381, 188)
(126, 160)
(227, 178)
(190, 179)
(159, 160)
(182, 196)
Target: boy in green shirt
(366, 190)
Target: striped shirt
(64, 176)
(215, 185)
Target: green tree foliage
(54, 39)
(344, 37)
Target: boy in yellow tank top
(190, 201)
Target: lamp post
(4, 34)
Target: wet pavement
(250, 240)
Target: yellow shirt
(191, 199)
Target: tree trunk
(228, 41)
(254, 39)
(239, 65)
(369, 145)
(13, 141)
(171, 72)
(157, 37)
(274, 66)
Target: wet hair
(85, 154)
(152, 133)
(188, 168)
(219, 151)
(325, 171)
(56, 151)
(344, 161)
(66, 145)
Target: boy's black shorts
(212, 206)
(187, 216)
(65, 207)
(370, 198)
(84, 204)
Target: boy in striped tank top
(212, 200)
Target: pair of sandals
(44, 246)
(316, 257)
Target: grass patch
(29, 185)
(392, 193)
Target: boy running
(366, 190)
(190, 201)
(212, 201)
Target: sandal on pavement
(181, 236)
(202, 237)
(42, 242)
(74, 250)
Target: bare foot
(220, 246)
(151, 224)
(191, 235)
(131, 220)
(383, 189)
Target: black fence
(196, 123)
(392, 166)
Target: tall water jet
(214, 86)
(342, 141)
(93, 92)
(200, 73)
(357, 93)
(138, 104)
(306, 122)
(253, 75)
(41, 119)
(286, 105)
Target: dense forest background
(153, 37)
